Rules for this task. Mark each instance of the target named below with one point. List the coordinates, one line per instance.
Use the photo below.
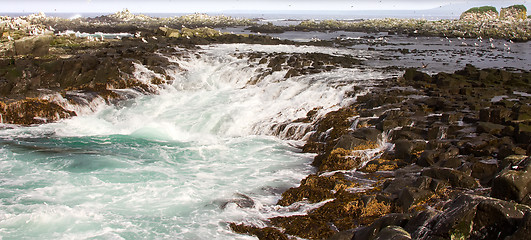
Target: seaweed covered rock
(32, 111)
(267, 233)
(315, 189)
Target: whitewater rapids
(162, 166)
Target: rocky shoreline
(459, 167)
(418, 157)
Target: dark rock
(380, 165)
(409, 133)
(371, 231)
(514, 162)
(393, 233)
(480, 146)
(343, 235)
(497, 218)
(241, 200)
(474, 217)
(417, 223)
(267, 233)
(398, 184)
(358, 138)
(491, 128)
(523, 133)
(368, 134)
(413, 74)
(452, 162)
(454, 177)
(428, 158)
(348, 142)
(484, 170)
(484, 115)
(521, 113)
(292, 73)
(407, 149)
(524, 228)
(507, 150)
(410, 196)
(499, 115)
(451, 117)
(450, 152)
(386, 125)
(513, 185)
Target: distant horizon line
(236, 11)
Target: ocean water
(206, 150)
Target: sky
(212, 6)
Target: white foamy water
(162, 166)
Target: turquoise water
(165, 166)
(123, 186)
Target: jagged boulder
(474, 217)
(514, 183)
(454, 177)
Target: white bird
(144, 40)
(9, 38)
(476, 44)
(464, 44)
(492, 46)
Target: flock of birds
(479, 41)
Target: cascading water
(161, 166)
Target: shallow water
(165, 166)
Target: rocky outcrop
(484, 13)
(454, 170)
(98, 70)
(513, 13)
(33, 111)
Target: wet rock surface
(420, 156)
(455, 163)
